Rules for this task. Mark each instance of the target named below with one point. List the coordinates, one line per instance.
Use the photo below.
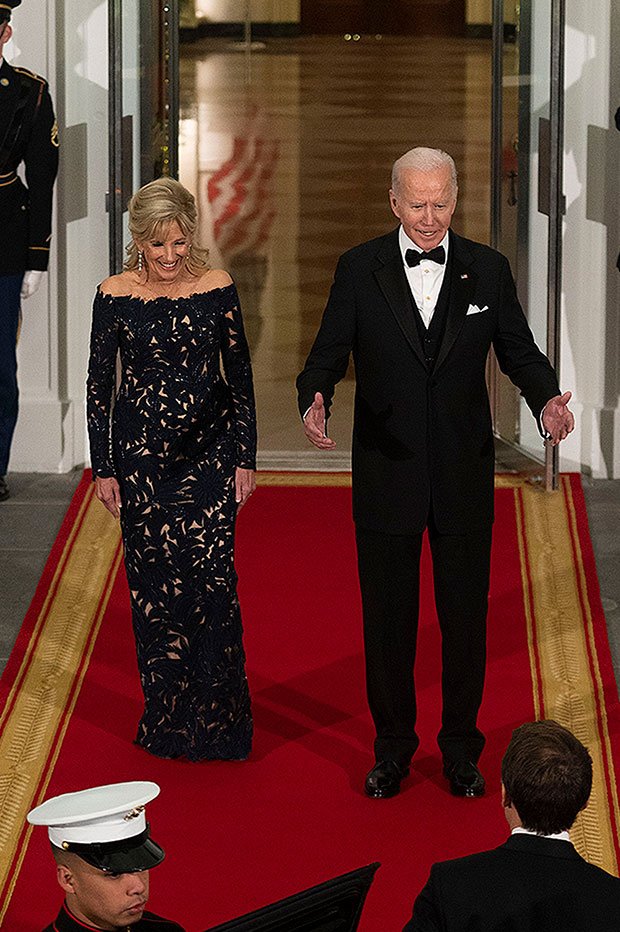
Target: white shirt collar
(406, 243)
(557, 836)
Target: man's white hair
(424, 160)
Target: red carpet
(239, 835)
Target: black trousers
(389, 573)
(10, 306)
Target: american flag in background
(240, 195)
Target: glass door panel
(143, 105)
(159, 66)
(523, 178)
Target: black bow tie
(413, 257)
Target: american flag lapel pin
(464, 275)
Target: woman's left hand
(245, 483)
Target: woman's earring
(140, 261)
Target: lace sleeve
(238, 372)
(100, 386)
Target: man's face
(424, 203)
(5, 34)
(106, 901)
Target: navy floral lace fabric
(182, 420)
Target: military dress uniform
(66, 922)
(28, 136)
(106, 827)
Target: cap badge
(133, 814)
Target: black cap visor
(127, 856)
(6, 8)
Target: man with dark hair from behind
(536, 881)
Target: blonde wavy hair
(151, 211)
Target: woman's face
(165, 257)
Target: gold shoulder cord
(30, 74)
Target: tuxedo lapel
(392, 281)
(462, 285)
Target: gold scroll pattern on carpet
(563, 657)
(47, 686)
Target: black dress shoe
(384, 779)
(4, 489)
(465, 779)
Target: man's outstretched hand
(314, 425)
(557, 419)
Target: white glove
(32, 280)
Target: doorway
(398, 17)
(143, 69)
(526, 197)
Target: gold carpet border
(532, 646)
(571, 688)
(51, 675)
(308, 478)
(292, 477)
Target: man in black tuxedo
(535, 881)
(419, 309)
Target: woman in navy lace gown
(173, 452)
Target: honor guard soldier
(28, 135)
(103, 851)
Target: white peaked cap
(97, 815)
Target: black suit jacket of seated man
(528, 884)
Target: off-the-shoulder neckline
(163, 297)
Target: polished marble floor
(289, 151)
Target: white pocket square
(474, 309)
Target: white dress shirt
(558, 836)
(426, 279)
